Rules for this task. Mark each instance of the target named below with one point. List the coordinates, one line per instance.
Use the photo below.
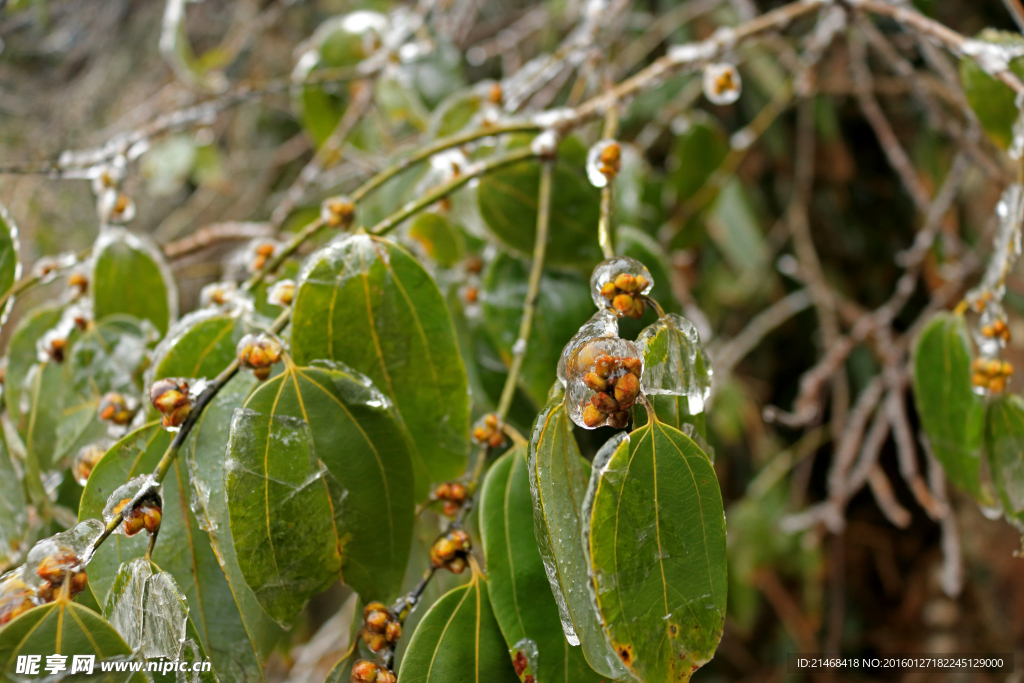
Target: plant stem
(287, 250)
(540, 244)
(31, 281)
(440, 146)
(444, 189)
(604, 221)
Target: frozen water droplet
(602, 324)
(675, 362)
(603, 382)
(603, 160)
(722, 83)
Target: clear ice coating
(524, 658)
(722, 83)
(993, 58)
(217, 293)
(619, 277)
(86, 459)
(600, 165)
(148, 610)
(675, 362)
(603, 382)
(51, 559)
(602, 324)
(131, 491)
(282, 293)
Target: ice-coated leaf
(516, 580)
(952, 415)
(108, 356)
(442, 241)
(992, 100)
(130, 276)
(204, 452)
(364, 302)
(655, 538)
(201, 344)
(1004, 441)
(677, 372)
(563, 304)
(63, 628)
(13, 514)
(558, 483)
(319, 488)
(508, 204)
(458, 640)
(152, 615)
(183, 548)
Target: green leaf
(442, 241)
(992, 100)
(183, 548)
(455, 113)
(64, 628)
(516, 580)
(508, 203)
(559, 483)
(10, 265)
(367, 303)
(201, 344)
(733, 225)
(13, 513)
(952, 415)
(1004, 440)
(563, 304)
(677, 374)
(656, 542)
(151, 614)
(130, 276)
(458, 640)
(319, 487)
(204, 454)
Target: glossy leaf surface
(319, 487)
(952, 415)
(366, 303)
(558, 486)
(458, 640)
(656, 543)
(64, 628)
(516, 580)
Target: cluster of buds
(450, 551)
(78, 283)
(604, 159)
(262, 252)
(171, 399)
(624, 294)
(57, 569)
(338, 212)
(616, 383)
(997, 329)
(15, 596)
(473, 266)
(453, 494)
(146, 514)
(116, 206)
(85, 461)
(259, 353)
(381, 628)
(365, 671)
(282, 293)
(489, 430)
(117, 409)
(991, 374)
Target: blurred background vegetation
(75, 73)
